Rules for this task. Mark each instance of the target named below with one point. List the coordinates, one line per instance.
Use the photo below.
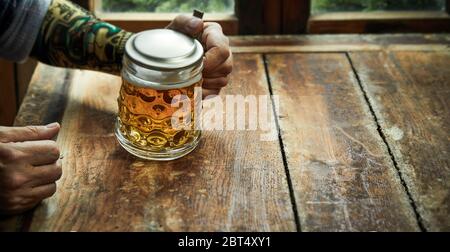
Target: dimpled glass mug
(160, 67)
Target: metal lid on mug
(164, 50)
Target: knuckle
(179, 20)
(32, 130)
(5, 152)
(10, 205)
(58, 172)
(182, 17)
(3, 134)
(223, 82)
(53, 149)
(15, 155)
(13, 201)
(215, 25)
(224, 52)
(14, 181)
(52, 189)
(8, 154)
(21, 207)
(228, 69)
(9, 201)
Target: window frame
(380, 22)
(136, 22)
(254, 17)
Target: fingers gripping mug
(162, 69)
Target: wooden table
(363, 145)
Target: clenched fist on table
(29, 166)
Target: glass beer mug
(161, 70)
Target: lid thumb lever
(198, 14)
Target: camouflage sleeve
(72, 37)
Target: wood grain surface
(44, 103)
(342, 175)
(363, 145)
(409, 93)
(341, 39)
(339, 43)
(231, 182)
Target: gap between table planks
(231, 182)
(342, 175)
(409, 93)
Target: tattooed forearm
(72, 37)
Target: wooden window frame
(254, 17)
(272, 16)
(136, 22)
(381, 22)
(251, 17)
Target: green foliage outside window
(167, 5)
(227, 6)
(375, 5)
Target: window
(378, 16)
(167, 6)
(321, 6)
(139, 15)
(283, 16)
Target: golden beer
(145, 117)
(152, 80)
